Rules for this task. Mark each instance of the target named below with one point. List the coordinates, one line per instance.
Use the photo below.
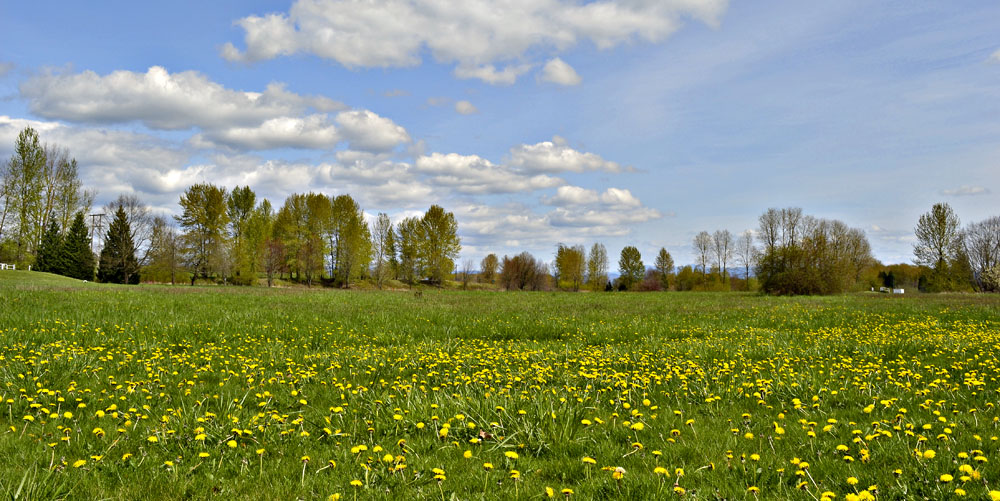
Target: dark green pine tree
(118, 264)
(79, 258)
(51, 255)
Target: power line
(100, 223)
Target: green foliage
(352, 247)
(203, 220)
(165, 254)
(597, 267)
(938, 236)
(488, 268)
(806, 255)
(239, 210)
(664, 267)
(79, 257)
(630, 267)
(24, 196)
(118, 264)
(408, 239)
(439, 243)
(571, 266)
(52, 257)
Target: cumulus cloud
(489, 74)
(313, 131)
(559, 72)
(466, 108)
(557, 156)
(965, 191)
(612, 198)
(612, 221)
(112, 161)
(368, 131)
(472, 174)
(274, 118)
(516, 225)
(473, 34)
(161, 100)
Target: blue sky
(625, 122)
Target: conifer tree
(79, 258)
(51, 256)
(118, 263)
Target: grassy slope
(464, 349)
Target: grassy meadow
(152, 392)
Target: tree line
(40, 188)
(232, 237)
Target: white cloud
(368, 131)
(161, 100)
(489, 74)
(966, 191)
(559, 72)
(574, 196)
(362, 129)
(114, 161)
(517, 226)
(618, 197)
(557, 156)
(472, 174)
(274, 118)
(313, 131)
(995, 57)
(474, 34)
(466, 108)
(612, 221)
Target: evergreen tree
(79, 258)
(51, 253)
(118, 263)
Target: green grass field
(177, 392)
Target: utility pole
(99, 223)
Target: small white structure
(5, 266)
(898, 291)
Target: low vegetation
(155, 392)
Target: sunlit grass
(155, 391)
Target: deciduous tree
(597, 267)
(203, 219)
(571, 266)
(439, 244)
(631, 268)
(702, 249)
(488, 268)
(381, 240)
(745, 254)
(664, 267)
(722, 248)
